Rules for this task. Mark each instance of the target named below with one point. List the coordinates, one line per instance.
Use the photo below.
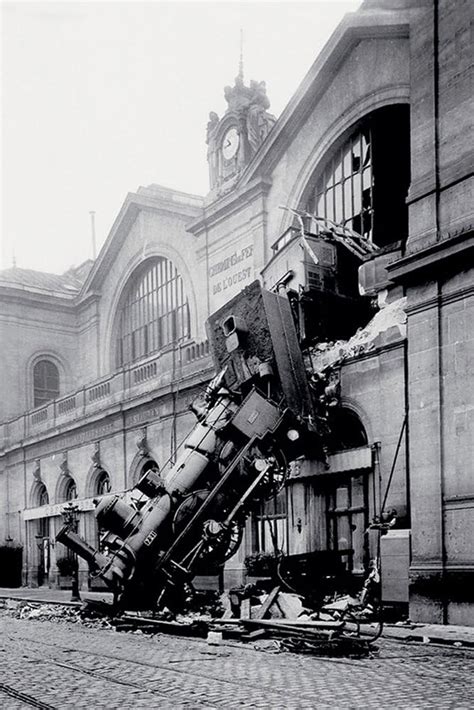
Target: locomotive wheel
(276, 475)
(224, 542)
(219, 546)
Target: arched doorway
(65, 559)
(41, 533)
(101, 486)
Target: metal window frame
(326, 184)
(155, 312)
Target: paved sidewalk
(431, 633)
(45, 595)
(424, 633)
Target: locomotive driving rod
(192, 554)
(206, 503)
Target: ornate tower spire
(241, 60)
(233, 139)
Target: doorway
(347, 503)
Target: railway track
(75, 666)
(24, 697)
(177, 678)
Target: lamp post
(70, 513)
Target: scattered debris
(326, 356)
(214, 638)
(20, 609)
(273, 622)
(341, 626)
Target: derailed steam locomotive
(254, 418)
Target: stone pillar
(426, 475)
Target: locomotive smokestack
(79, 546)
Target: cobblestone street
(64, 665)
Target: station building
(101, 363)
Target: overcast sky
(99, 98)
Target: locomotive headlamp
(260, 465)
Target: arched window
(39, 495)
(365, 181)
(70, 490)
(39, 498)
(42, 495)
(347, 431)
(102, 483)
(148, 464)
(155, 312)
(45, 382)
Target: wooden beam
(267, 603)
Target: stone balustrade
(161, 370)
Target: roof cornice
(433, 258)
(37, 298)
(131, 207)
(353, 28)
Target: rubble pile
(331, 354)
(38, 611)
(194, 619)
(282, 622)
(273, 622)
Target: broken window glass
(364, 183)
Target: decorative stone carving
(63, 466)
(212, 126)
(212, 159)
(37, 470)
(142, 443)
(259, 121)
(96, 455)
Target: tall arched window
(155, 312)
(70, 489)
(365, 181)
(45, 382)
(42, 495)
(102, 483)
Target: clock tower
(234, 139)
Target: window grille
(271, 524)
(347, 520)
(45, 382)
(155, 313)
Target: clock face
(230, 144)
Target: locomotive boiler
(252, 420)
